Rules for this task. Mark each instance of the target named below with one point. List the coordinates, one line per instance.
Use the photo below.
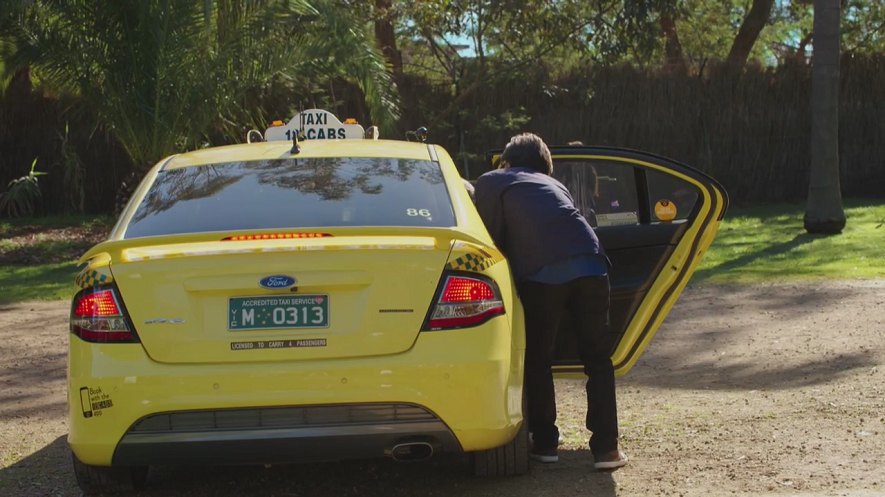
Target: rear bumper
(468, 382)
(279, 435)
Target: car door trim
(714, 190)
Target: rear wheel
(510, 459)
(100, 480)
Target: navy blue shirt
(568, 269)
(533, 220)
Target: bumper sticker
(93, 401)
(665, 210)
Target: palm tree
(162, 74)
(823, 210)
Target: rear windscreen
(294, 193)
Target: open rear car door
(656, 218)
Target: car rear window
(294, 193)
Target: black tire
(510, 459)
(101, 480)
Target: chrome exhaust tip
(411, 451)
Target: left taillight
(98, 315)
(464, 301)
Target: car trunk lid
(351, 296)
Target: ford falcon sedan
(295, 300)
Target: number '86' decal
(418, 212)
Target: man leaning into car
(560, 267)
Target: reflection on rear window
(294, 193)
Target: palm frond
(347, 50)
(162, 74)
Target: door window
(604, 191)
(669, 195)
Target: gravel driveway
(772, 389)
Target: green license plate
(283, 312)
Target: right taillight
(465, 301)
(97, 315)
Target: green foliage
(345, 49)
(22, 195)
(706, 29)
(863, 26)
(617, 31)
(770, 243)
(164, 75)
(520, 33)
(508, 122)
(500, 126)
(10, 11)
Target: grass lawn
(39, 282)
(769, 243)
(38, 255)
(754, 244)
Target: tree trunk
(823, 210)
(385, 36)
(673, 47)
(803, 44)
(749, 32)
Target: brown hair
(528, 150)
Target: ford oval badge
(277, 281)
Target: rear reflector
(273, 236)
(98, 316)
(465, 301)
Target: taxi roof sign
(315, 124)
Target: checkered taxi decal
(468, 257)
(91, 277)
(471, 262)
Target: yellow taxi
(322, 294)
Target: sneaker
(545, 455)
(610, 460)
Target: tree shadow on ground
(765, 251)
(48, 472)
(772, 336)
(34, 361)
(750, 375)
(33, 390)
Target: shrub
(22, 195)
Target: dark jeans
(587, 299)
